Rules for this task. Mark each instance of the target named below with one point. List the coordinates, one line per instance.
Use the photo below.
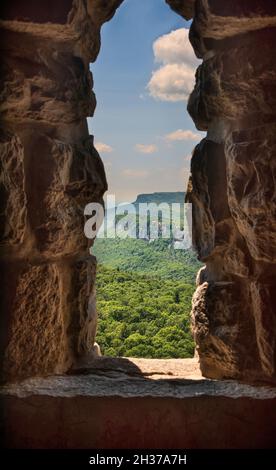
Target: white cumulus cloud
(103, 148)
(175, 48)
(174, 80)
(181, 134)
(151, 148)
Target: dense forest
(144, 292)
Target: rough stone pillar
(49, 171)
(232, 186)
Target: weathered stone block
(241, 91)
(12, 194)
(65, 178)
(251, 174)
(225, 331)
(209, 203)
(263, 299)
(33, 330)
(215, 235)
(50, 171)
(50, 316)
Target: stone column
(49, 171)
(232, 186)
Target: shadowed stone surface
(184, 8)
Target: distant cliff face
(232, 186)
(158, 198)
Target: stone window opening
(135, 339)
(54, 394)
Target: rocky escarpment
(49, 171)
(232, 186)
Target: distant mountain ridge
(159, 197)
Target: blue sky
(141, 127)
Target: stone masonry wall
(232, 186)
(49, 171)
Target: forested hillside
(144, 292)
(142, 316)
(155, 258)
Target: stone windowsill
(129, 377)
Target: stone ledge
(137, 403)
(135, 378)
